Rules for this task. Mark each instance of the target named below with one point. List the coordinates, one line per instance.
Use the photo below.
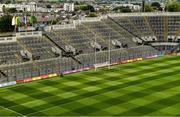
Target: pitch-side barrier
(55, 75)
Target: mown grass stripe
(38, 92)
(128, 84)
(26, 90)
(87, 94)
(154, 106)
(132, 96)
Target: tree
(92, 14)
(125, 10)
(8, 2)
(86, 8)
(156, 4)
(76, 3)
(90, 8)
(83, 7)
(122, 9)
(11, 10)
(117, 9)
(48, 6)
(148, 8)
(5, 24)
(173, 7)
(4, 9)
(104, 10)
(77, 8)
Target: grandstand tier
(113, 39)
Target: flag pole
(32, 13)
(18, 23)
(14, 24)
(25, 21)
(95, 50)
(109, 52)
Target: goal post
(100, 65)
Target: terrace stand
(87, 43)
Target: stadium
(116, 64)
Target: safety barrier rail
(54, 75)
(145, 14)
(164, 43)
(29, 34)
(7, 39)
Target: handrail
(61, 48)
(126, 29)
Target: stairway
(47, 34)
(126, 29)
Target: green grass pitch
(149, 87)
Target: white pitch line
(12, 111)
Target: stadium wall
(29, 34)
(20, 35)
(55, 75)
(7, 39)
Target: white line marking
(12, 111)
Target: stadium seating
(125, 36)
(39, 47)
(115, 39)
(9, 53)
(76, 39)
